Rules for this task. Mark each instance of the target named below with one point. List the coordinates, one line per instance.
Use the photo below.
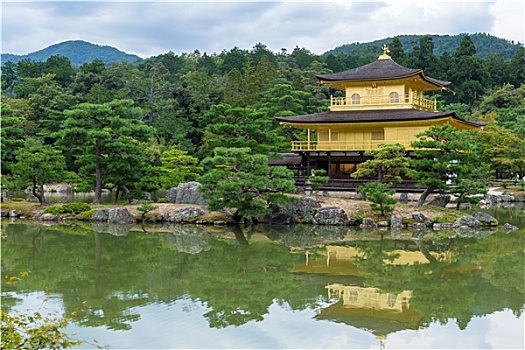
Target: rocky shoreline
(187, 207)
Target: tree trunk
(424, 195)
(98, 173)
(41, 198)
(117, 192)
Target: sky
(151, 28)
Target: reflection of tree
(115, 275)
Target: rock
(13, 214)
(485, 219)
(440, 200)
(4, 213)
(185, 193)
(383, 223)
(300, 211)
(519, 198)
(100, 215)
(403, 198)
(120, 216)
(465, 206)
(420, 217)
(368, 223)
(396, 221)
(467, 221)
(509, 228)
(185, 214)
(280, 219)
(331, 216)
(46, 217)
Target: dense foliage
(148, 125)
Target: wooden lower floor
(338, 166)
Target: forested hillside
(149, 125)
(77, 51)
(484, 44)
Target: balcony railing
(343, 145)
(377, 102)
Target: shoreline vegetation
(355, 212)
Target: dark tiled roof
(286, 159)
(378, 70)
(370, 116)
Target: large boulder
(368, 223)
(331, 216)
(440, 200)
(46, 217)
(420, 218)
(185, 193)
(396, 221)
(184, 215)
(301, 210)
(485, 219)
(101, 215)
(120, 216)
(467, 221)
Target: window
(378, 135)
(391, 301)
(356, 99)
(394, 97)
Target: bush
(86, 216)
(163, 200)
(69, 208)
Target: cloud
(150, 28)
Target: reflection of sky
(181, 325)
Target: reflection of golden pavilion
(401, 257)
(367, 308)
(369, 298)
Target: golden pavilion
(383, 102)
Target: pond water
(174, 286)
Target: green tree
(38, 164)
(104, 136)
(504, 148)
(439, 151)
(177, 167)
(397, 51)
(467, 73)
(13, 134)
(517, 67)
(61, 68)
(240, 127)
(388, 164)
(380, 196)
(236, 178)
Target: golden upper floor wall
(382, 84)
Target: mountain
(485, 43)
(78, 52)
